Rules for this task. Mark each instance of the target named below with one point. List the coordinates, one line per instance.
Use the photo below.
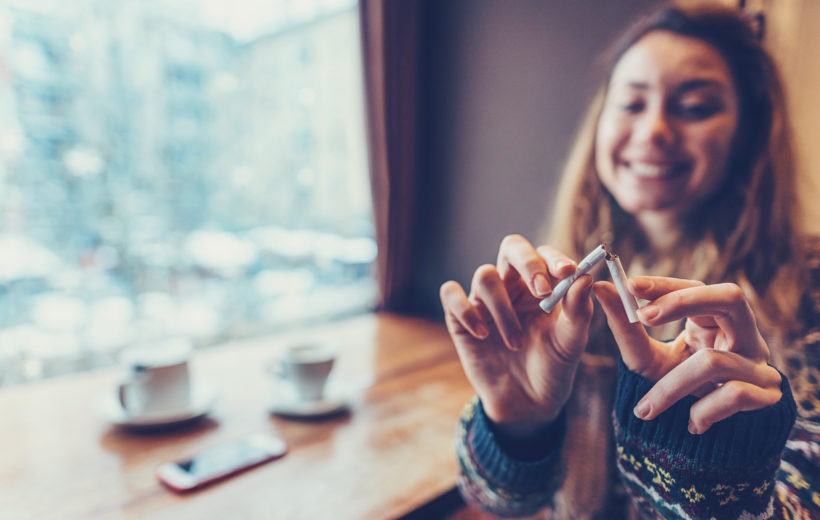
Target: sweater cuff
(743, 440)
(504, 471)
(727, 472)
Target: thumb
(632, 339)
(572, 327)
(578, 304)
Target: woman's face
(664, 135)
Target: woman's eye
(697, 111)
(632, 107)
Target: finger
(652, 287)
(632, 339)
(725, 303)
(517, 259)
(699, 337)
(727, 400)
(577, 303)
(704, 366)
(704, 322)
(459, 314)
(718, 300)
(486, 317)
(560, 265)
(490, 290)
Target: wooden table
(392, 454)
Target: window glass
(176, 168)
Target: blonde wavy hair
(749, 230)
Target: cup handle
(121, 392)
(124, 385)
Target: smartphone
(220, 461)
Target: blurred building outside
(176, 168)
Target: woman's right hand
(520, 360)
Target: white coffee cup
(306, 367)
(157, 377)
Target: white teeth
(648, 170)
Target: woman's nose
(657, 128)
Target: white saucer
(287, 403)
(202, 401)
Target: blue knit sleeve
(728, 472)
(496, 482)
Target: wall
(503, 88)
(793, 37)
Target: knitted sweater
(753, 465)
(734, 470)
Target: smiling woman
(683, 166)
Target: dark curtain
(389, 30)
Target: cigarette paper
(586, 265)
(619, 279)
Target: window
(176, 168)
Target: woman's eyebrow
(686, 86)
(699, 83)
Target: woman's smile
(655, 171)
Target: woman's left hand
(720, 356)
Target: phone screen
(226, 458)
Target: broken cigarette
(619, 279)
(584, 266)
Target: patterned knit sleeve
(492, 480)
(729, 472)
(752, 465)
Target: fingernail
(481, 330)
(561, 264)
(692, 428)
(642, 410)
(649, 312)
(541, 285)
